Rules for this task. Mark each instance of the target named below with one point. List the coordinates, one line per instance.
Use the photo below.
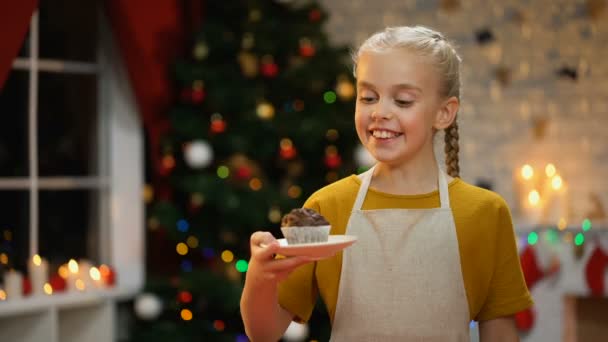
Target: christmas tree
(264, 118)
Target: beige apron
(402, 280)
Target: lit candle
(95, 276)
(38, 270)
(557, 206)
(72, 280)
(13, 284)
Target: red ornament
(333, 160)
(524, 320)
(184, 297)
(58, 284)
(269, 69)
(108, 276)
(198, 95)
(243, 173)
(288, 152)
(167, 164)
(218, 126)
(307, 49)
(594, 271)
(314, 15)
(27, 286)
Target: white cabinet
(63, 317)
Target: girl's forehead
(394, 67)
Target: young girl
(433, 251)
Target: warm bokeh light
(294, 191)
(73, 266)
(227, 256)
(105, 270)
(527, 172)
(255, 184)
(192, 241)
(556, 182)
(37, 260)
(550, 170)
(2, 295)
(534, 197)
(181, 248)
(80, 284)
(63, 271)
(48, 289)
(3, 258)
(219, 325)
(274, 215)
(186, 314)
(94, 273)
(562, 224)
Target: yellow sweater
(491, 270)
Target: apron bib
(402, 280)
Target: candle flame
(527, 171)
(556, 182)
(550, 170)
(534, 197)
(37, 260)
(48, 289)
(73, 266)
(80, 284)
(94, 273)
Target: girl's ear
(446, 113)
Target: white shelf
(63, 317)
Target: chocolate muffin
(304, 226)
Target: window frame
(118, 207)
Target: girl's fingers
(287, 264)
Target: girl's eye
(366, 99)
(403, 103)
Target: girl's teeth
(383, 134)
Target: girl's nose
(382, 110)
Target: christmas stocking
(532, 273)
(594, 271)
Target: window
(70, 148)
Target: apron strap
(366, 179)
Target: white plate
(317, 250)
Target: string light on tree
(198, 154)
(265, 110)
(249, 64)
(332, 157)
(345, 88)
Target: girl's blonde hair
(428, 43)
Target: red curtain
(14, 23)
(150, 35)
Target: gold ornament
(265, 110)
(249, 64)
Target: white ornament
(148, 306)
(198, 154)
(363, 157)
(296, 332)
